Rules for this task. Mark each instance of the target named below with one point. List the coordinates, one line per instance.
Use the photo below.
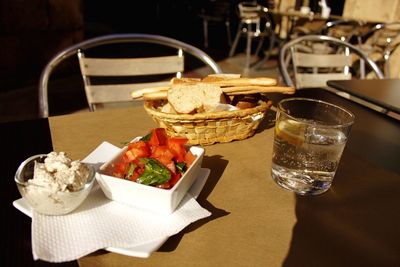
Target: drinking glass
(309, 139)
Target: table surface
(254, 222)
(382, 92)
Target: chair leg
(386, 69)
(228, 33)
(260, 43)
(272, 40)
(205, 32)
(248, 49)
(235, 42)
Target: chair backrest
(94, 67)
(383, 34)
(392, 63)
(217, 10)
(249, 12)
(344, 29)
(315, 59)
(380, 44)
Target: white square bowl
(151, 198)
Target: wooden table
(382, 92)
(254, 222)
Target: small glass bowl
(44, 200)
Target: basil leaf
(181, 166)
(146, 138)
(130, 171)
(154, 172)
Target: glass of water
(309, 139)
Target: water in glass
(305, 157)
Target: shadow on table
(268, 121)
(355, 223)
(217, 164)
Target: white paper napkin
(100, 223)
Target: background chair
(249, 14)
(216, 11)
(112, 79)
(392, 62)
(380, 43)
(347, 30)
(313, 68)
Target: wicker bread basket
(210, 128)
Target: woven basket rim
(261, 107)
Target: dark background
(33, 31)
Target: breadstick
(155, 95)
(241, 90)
(261, 81)
(141, 92)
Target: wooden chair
(315, 66)
(94, 69)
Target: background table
(254, 222)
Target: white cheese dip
(52, 190)
(60, 173)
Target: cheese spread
(60, 173)
(55, 184)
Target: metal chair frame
(113, 39)
(288, 47)
(249, 17)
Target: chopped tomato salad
(156, 160)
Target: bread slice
(167, 108)
(213, 96)
(186, 98)
(189, 98)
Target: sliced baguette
(167, 108)
(212, 97)
(198, 97)
(186, 98)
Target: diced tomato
(177, 146)
(189, 158)
(119, 169)
(170, 166)
(158, 137)
(138, 171)
(167, 150)
(164, 155)
(165, 185)
(136, 150)
(162, 152)
(174, 179)
(178, 140)
(129, 156)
